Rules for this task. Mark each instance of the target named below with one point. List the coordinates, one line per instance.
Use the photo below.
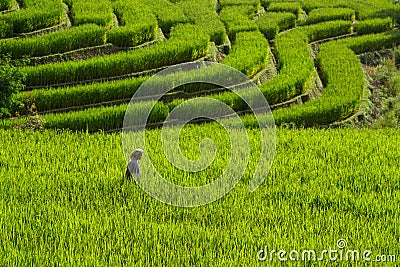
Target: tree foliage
(11, 82)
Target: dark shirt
(132, 169)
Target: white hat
(136, 151)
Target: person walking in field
(133, 167)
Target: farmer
(133, 167)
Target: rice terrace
(309, 92)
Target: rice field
(317, 195)
(63, 201)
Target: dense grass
(137, 24)
(203, 14)
(35, 16)
(187, 43)
(96, 12)
(83, 36)
(62, 201)
(273, 22)
(327, 14)
(249, 54)
(363, 9)
(238, 19)
(373, 25)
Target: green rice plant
(344, 78)
(92, 120)
(273, 22)
(238, 19)
(342, 96)
(372, 42)
(363, 9)
(326, 14)
(6, 29)
(203, 14)
(291, 7)
(56, 42)
(373, 25)
(296, 66)
(98, 118)
(254, 3)
(96, 12)
(33, 18)
(68, 206)
(62, 98)
(5, 4)
(187, 43)
(37, 3)
(249, 53)
(137, 24)
(168, 14)
(327, 29)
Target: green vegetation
(35, 16)
(69, 207)
(96, 12)
(168, 15)
(343, 76)
(327, 14)
(11, 83)
(202, 13)
(5, 4)
(254, 3)
(363, 9)
(372, 42)
(187, 43)
(63, 198)
(294, 8)
(249, 54)
(386, 80)
(294, 61)
(74, 96)
(373, 26)
(271, 23)
(238, 19)
(137, 24)
(57, 42)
